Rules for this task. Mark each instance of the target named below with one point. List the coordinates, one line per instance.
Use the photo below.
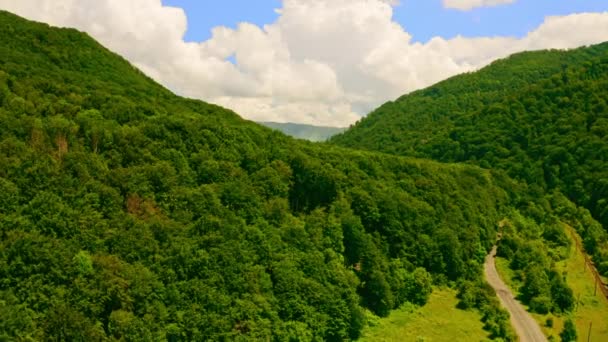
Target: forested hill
(128, 213)
(541, 116)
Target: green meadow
(437, 321)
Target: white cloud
(467, 5)
(322, 62)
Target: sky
(423, 19)
(323, 62)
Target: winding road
(525, 326)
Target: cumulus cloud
(322, 62)
(467, 5)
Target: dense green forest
(307, 132)
(540, 116)
(128, 213)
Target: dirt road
(525, 326)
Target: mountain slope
(406, 125)
(307, 132)
(541, 116)
(128, 213)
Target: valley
(129, 213)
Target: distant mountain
(307, 132)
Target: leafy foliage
(542, 117)
(479, 295)
(569, 332)
(533, 251)
(128, 213)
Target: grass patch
(589, 308)
(439, 320)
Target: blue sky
(423, 19)
(326, 62)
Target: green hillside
(540, 116)
(128, 213)
(306, 132)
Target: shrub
(541, 305)
(569, 332)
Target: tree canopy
(542, 117)
(129, 213)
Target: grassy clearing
(590, 307)
(437, 321)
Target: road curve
(525, 326)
